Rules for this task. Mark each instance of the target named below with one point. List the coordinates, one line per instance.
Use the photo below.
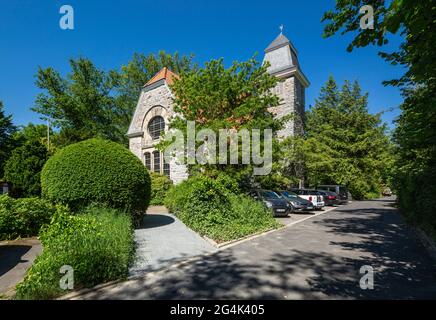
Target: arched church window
(156, 161)
(147, 157)
(156, 126)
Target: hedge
(22, 218)
(212, 208)
(160, 185)
(97, 171)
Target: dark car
(4, 187)
(341, 191)
(273, 201)
(330, 198)
(297, 203)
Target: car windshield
(269, 194)
(288, 194)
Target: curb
(220, 247)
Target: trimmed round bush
(97, 171)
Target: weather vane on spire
(282, 27)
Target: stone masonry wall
(157, 101)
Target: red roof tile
(166, 74)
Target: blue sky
(109, 32)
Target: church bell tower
(283, 60)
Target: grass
(97, 244)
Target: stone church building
(155, 107)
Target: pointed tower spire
(282, 56)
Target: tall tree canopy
(90, 102)
(234, 98)
(6, 131)
(416, 127)
(344, 143)
(81, 104)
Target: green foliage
(90, 102)
(416, 127)
(208, 207)
(22, 218)
(344, 143)
(135, 74)
(31, 133)
(160, 185)
(24, 167)
(411, 19)
(7, 129)
(97, 244)
(217, 98)
(415, 164)
(82, 101)
(97, 171)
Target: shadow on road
(10, 256)
(402, 267)
(289, 264)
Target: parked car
(4, 187)
(297, 203)
(341, 191)
(273, 201)
(330, 198)
(387, 192)
(311, 195)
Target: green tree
(90, 102)
(140, 69)
(345, 143)
(31, 133)
(81, 103)
(23, 169)
(415, 135)
(6, 131)
(233, 98)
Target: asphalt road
(319, 258)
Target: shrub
(24, 167)
(98, 245)
(415, 189)
(208, 207)
(160, 185)
(23, 217)
(97, 171)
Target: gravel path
(164, 240)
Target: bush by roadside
(22, 218)
(213, 209)
(97, 244)
(97, 171)
(160, 185)
(23, 169)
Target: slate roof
(280, 41)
